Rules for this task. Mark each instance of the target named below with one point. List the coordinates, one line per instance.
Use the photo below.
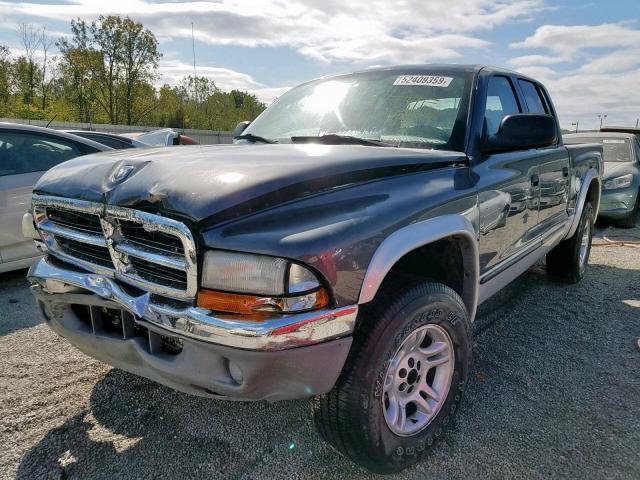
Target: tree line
(104, 72)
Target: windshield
(427, 110)
(614, 149)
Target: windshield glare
(402, 110)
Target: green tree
(25, 78)
(76, 66)
(115, 59)
(170, 111)
(139, 58)
(46, 76)
(105, 74)
(199, 103)
(27, 70)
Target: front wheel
(568, 261)
(403, 380)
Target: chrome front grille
(159, 274)
(147, 251)
(85, 251)
(75, 220)
(161, 242)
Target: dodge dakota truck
(338, 251)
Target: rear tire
(386, 411)
(568, 261)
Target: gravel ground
(555, 393)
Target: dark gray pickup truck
(339, 250)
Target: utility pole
(576, 123)
(601, 117)
(637, 120)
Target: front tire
(567, 262)
(403, 380)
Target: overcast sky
(588, 54)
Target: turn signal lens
(260, 306)
(227, 302)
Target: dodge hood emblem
(121, 174)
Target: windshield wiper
(253, 138)
(335, 139)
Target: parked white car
(26, 152)
(163, 137)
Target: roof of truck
(453, 68)
(442, 68)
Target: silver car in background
(26, 152)
(620, 199)
(163, 137)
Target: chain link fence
(204, 137)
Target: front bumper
(291, 356)
(618, 203)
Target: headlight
(619, 182)
(238, 272)
(245, 283)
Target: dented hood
(224, 181)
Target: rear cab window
(534, 98)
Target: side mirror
(522, 131)
(240, 127)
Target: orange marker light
(252, 305)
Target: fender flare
(417, 235)
(589, 178)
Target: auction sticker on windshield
(427, 80)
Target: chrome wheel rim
(584, 244)
(418, 379)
